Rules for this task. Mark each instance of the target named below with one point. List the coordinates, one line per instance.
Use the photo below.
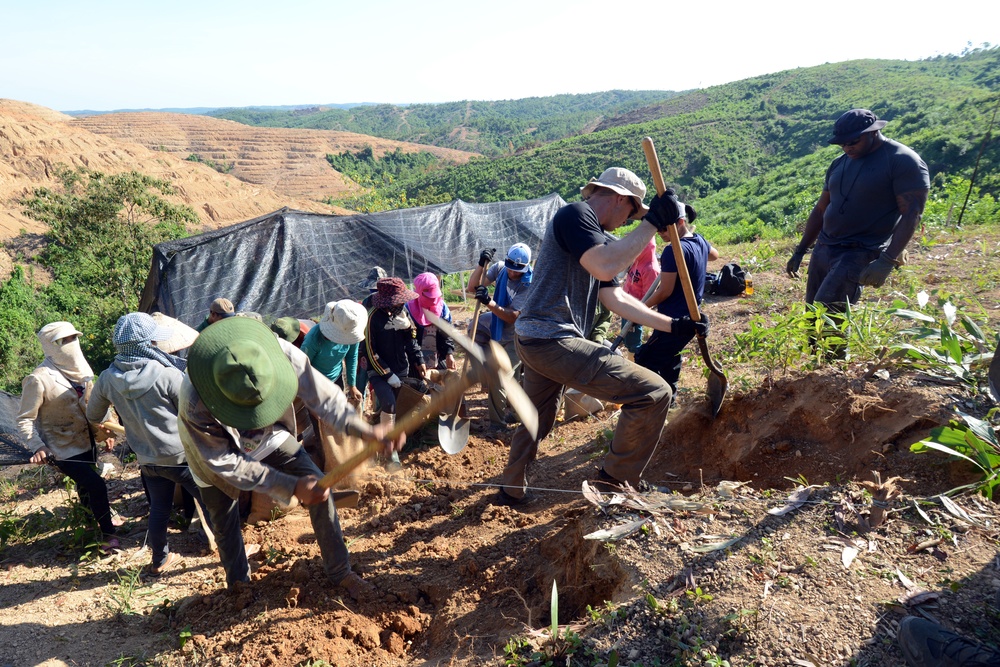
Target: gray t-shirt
(863, 209)
(562, 302)
(517, 290)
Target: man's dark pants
(289, 458)
(552, 364)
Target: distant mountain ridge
(204, 111)
(492, 128)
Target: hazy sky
(111, 54)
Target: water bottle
(748, 289)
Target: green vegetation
(491, 128)
(378, 175)
(752, 154)
(98, 248)
(221, 167)
(973, 440)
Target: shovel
(717, 381)
(453, 429)
(496, 362)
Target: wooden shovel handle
(409, 423)
(675, 242)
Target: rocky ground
(705, 570)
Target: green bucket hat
(241, 373)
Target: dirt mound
(825, 426)
(34, 140)
(291, 162)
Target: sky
(111, 54)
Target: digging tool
(717, 381)
(627, 327)
(212, 546)
(453, 429)
(494, 361)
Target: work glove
(686, 327)
(792, 268)
(394, 381)
(663, 211)
(483, 295)
(874, 274)
(486, 256)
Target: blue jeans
(160, 481)
(289, 458)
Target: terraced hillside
(291, 162)
(34, 140)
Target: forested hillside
(754, 151)
(487, 127)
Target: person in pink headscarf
(441, 353)
(638, 280)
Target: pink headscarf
(428, 291)
(643, 271)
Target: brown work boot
(357, 588)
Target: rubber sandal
(111, 546)
(171, 560)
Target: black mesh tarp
(291, 263)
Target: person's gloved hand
(483, 295)
(874, 274)
(486, 256)
(394, 381)
(686, 327)
(792, 268)
(663, 211)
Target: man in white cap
(576, 269)
(512, 277)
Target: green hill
(755, 150)
(491, 128)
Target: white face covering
(67, 358)
(399, 321)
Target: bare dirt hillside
(34, 140)
(289, 161)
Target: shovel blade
(718, 383)
(453, 433)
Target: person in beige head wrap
(53, 419)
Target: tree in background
(101, 230)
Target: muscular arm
(631, 309)
(604, 262)
(505, 314)
(911, 208)
(814, 224)
(478, 274)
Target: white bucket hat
(344, 321)
(622, 181)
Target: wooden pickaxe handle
(409, 423)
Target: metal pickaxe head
(493, 363)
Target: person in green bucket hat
(237, 424)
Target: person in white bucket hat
(332, 346)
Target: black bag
(729, 281)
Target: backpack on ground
(729, 281)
